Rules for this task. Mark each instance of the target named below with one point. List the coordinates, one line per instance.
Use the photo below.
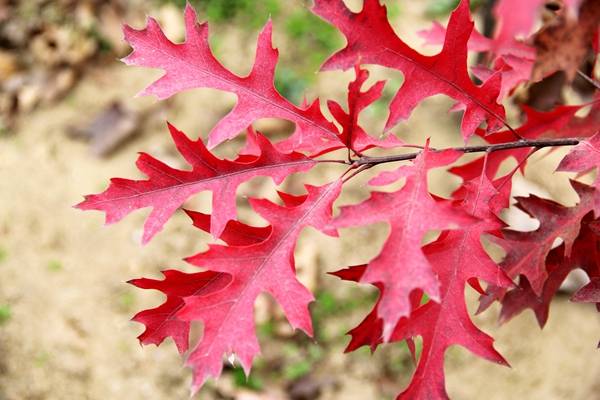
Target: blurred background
(69, 121)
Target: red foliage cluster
(255, 260)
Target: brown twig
(473, 149)
(589, 80)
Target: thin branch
(538, 144)
(413, 146)
(589, 80)
(335, 161)
(357, 171)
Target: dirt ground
(63, 275)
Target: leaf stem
(357, 171)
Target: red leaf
(166, 188)
(369, 331)
(590, 293)
(585, 254)
(514, 71)
(456, 258)
(527, 251)
(264, 267)
(192, 65)
(372, 40)
(513, 59)
(401, 267)
(582, 158)
(584, 126)
(235, 234)
(517, 300)
(353, 135)
(161, 321)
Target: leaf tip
(148, 235)
(81, 204)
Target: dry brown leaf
(564, 41)
(110, 128)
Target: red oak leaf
(456, 258)
(369, 331)
(372, 40)
(401, 267)
(264, 267)
(586, 126)
(235, 234)
(590, 293)
(517, 300)
(353, 135)
(582, 158)
(513, 59)
(192, 65)
(161, 322)
(166, 188)
(527, 251)
(514, 71)
(447, 323)
(585, 255)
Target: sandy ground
(63, 274)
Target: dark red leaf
(527, 251)
(590, 293)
